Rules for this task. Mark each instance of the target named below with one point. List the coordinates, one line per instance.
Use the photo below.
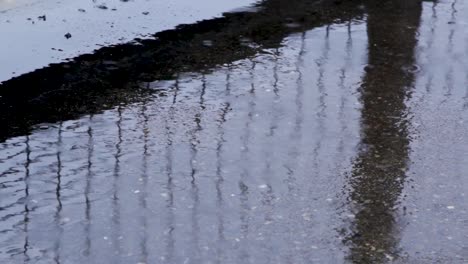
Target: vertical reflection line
(219, 173)
(321, 113)
(89, 176)
(448, 85)
(428, 88)
(219, 181)
(194, 142)
(228, 80)
(434, 19)
(268, 194)
(244, 255)
(275, 73)
(169, 232)
(26, 203)
(344, 95)
(430, 43)
(296, 135)
(176, 89)
(453, 18)
(58, 193)
(276, 100)
(143, 195)
(449, 74)
(115, 197)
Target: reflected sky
(339, 143)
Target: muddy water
(344, 143)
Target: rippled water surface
(346, 143)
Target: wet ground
(33, 31)
(298, 133)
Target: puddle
(331, 142)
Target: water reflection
(87, 191)
(26, 196)
(58, 194)
(169, 240)
(116, 217)
(379, 171)
(217, 168)
(144, 182)
(241, 163)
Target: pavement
(286, 132)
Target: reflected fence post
(379, 171)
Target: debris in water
(43, 17)
(145, 13)
(450, 207)
(68, 35)
(102, 6)
(81, 10)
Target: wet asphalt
(299, 132)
